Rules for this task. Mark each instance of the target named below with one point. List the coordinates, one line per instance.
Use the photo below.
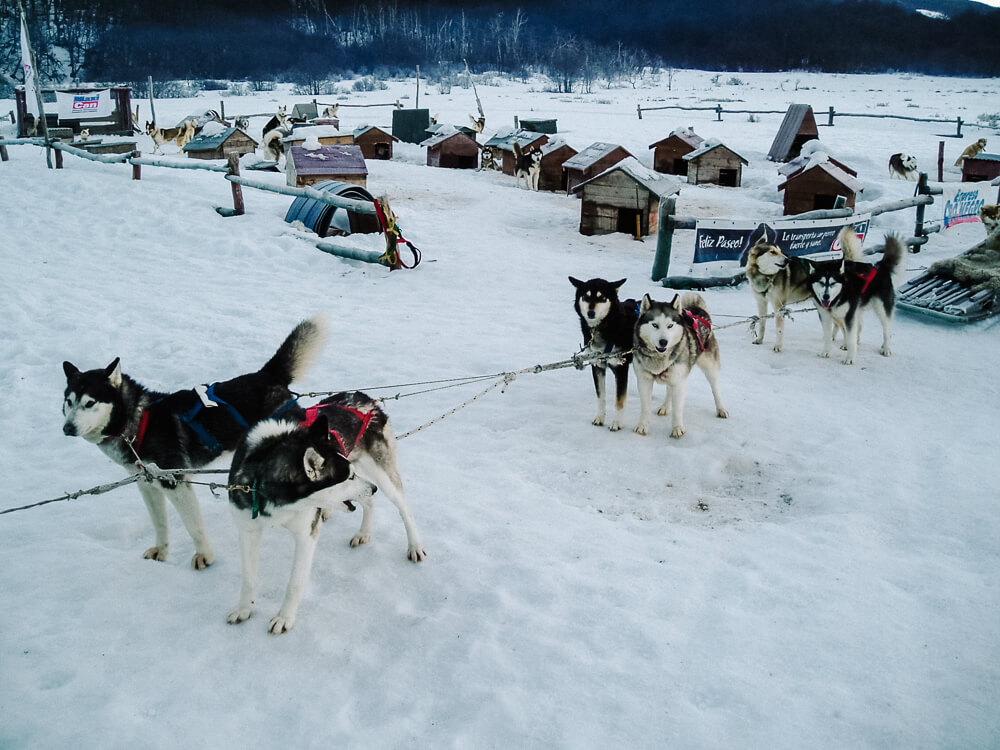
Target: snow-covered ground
(817, 571)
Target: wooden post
(959, 133)
(940, 161)
(136, 168)
(829, 120)
(918, 230)
(664, 238)
(38, 88)
(638, 109)
(3, 153)
(58, 158)
(152, 109)
(234, 169)
(718, 112)
(417, 103)
(222, 108)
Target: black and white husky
(844, 289)
(295, 469)
(670, 339)
(527, 166)
(607, 326)
(181, 430)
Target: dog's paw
(280, 624)
(759, 340)
(777, 347)
(615, 426)
(240, 614)
(722, 414)
(848, 361)
(202, 561)
(156, 553)
(663, 411)
(885, 351)
(598, 421)
(824, 355)
(358, 539)
(641, 429)
(677, 432)
(415, 553)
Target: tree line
(119, 40)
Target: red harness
(695, 320)
(312, 413)
(140, 432)
(868, 278)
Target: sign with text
(962, 201)
(727, 239)
(90, 104)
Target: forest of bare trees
(595, 44)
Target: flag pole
(37, 85)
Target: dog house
(324, 135)
(102, 111)
(220, 144)
(593, 160)
(669, 153)
(981, 167)
(623, 198)
(503, 142)
(374, 142)
(304, 112)
(818, 187)
(326, 220)
(307, 166)
(552, 176)
(798, 127)
(715, 164)
(452, 149)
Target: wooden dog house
(669, 153)
(623, 198)
(307, 166)
(817, 187)
(593, 160)
(981, 167)
(375, 143)
(715, 164)
(452, 149)
(220, 145)
(552, 176)
(798, 127)
(503, 144)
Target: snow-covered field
(818, 571)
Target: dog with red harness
(294, 469)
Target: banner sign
(726, 239)
(90, 104)
(962, 201)
(30, 92)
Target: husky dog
(297, 468)
(180, 430)
(971, 151)
(331, 111)
(527, 166)
(180, 135)
(990, 216)
(271, 139)
(242, 123)
(478, 123)
(776, 279)
(488, 159)
(85, 134)
(669, 339)
(607, 327)
(903, 167)
(844, 289)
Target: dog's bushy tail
(894, 259)
(297, 352)
(850, 244)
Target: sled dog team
(293, 466)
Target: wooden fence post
(830, 117)
(136, 168)
(918, 229)
(940, 161)
(58, 158)
(3, 153)
(664, 238)
(638, 109)
(234, 169)
(718, 112)
(959, 121)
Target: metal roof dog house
(503, 143)
(623, 198)
(106, 111)
(715, 164)
(452, 149)
(798, 127)
(220, 144)
(552, 176)
(981, 167)
(669, 152)
(817, 187)
(307, 166)
(592, 161)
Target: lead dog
(670, 338)
(607, 326)
(181, 430)
(296, 469)
(844, 289)
(181, 135)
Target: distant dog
(607, 325)
(776, 279)
(990, 216)
(669, 339)
(971, 151)
(478, 123)
(488, 159)
(85, 134)
(180, 136)
(903, 167)
(299, 467)
(271, 140)
(527, 166)
(181, 430)
(331, 111)
(844, 289)
(241, 123)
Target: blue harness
(208, 399)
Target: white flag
(30, 94)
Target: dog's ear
(676, 302)
(313, 462)
(113, 373)
(575, 282)
(71, 370)
(618, 284)
(646, 303)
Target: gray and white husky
(181, 430)
(294, 470)
(671, 338)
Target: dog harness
(694, 321)
(365, 418)
(868, 277)
(206, 400)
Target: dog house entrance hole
(629, 219)
(727, 178)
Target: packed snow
(817, 571)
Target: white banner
(30, 94)
(89, 104)
(962, 201)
